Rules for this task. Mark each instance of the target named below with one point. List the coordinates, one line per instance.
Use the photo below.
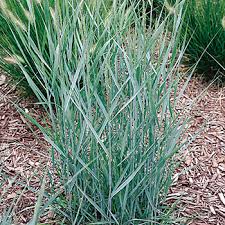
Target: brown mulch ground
(199, 181)
(23, 154)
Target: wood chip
(212, 210)
(2, 79)
(202, 170)
(221, 196)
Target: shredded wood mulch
(23, 155)
(199, 182)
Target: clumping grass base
(105, 82)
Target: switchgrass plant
(205, 26)
(106, 86)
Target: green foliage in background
(105, 82)
(22, 16)
(205, 26)
(33, 17)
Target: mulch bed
(199, 182)
(23, 154)
(200, 179)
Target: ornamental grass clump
(204, 27)
(22, 16)
(106, 86)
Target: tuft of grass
(204, 24)
(27, 17)
(106, 84)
